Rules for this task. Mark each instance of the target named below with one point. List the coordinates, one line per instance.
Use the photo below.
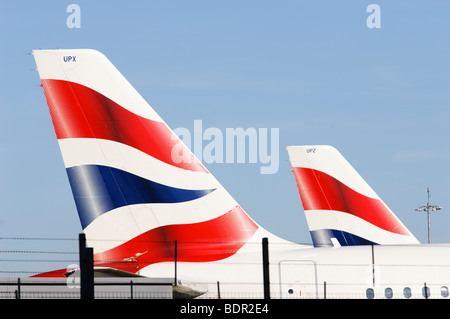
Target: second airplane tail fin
(341, 208)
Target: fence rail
(124, 288)
(61, 288)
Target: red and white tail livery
(341, 208)
(137, 188)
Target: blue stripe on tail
(98, 189)
(322, 238)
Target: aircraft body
(138, 189)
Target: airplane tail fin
(136, 186)
(341, 208)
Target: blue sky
(313, 69)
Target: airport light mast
(428, 208)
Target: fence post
(266, 278)
(86, 269)
(18, 289)
(425, 291)
(176, 253)
(131, 289)
(218, 290)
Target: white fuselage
(298, 271)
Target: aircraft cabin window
(444, 291)
(369, 293)
(388, 293)
(407, 292)
(426, 292)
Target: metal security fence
(105, 288)
(108, 288)
(27, 256)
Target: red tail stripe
(320, 191)
(80, 112)
(207, 241)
